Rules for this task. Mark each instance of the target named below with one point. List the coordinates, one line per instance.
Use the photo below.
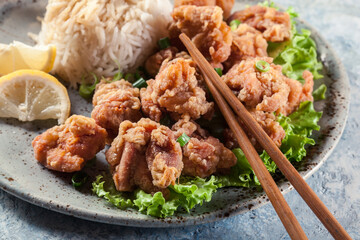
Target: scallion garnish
(117, 76)
(234, 24)
(141, 83)
(86, 91)
(79, 179)
(164, 43)
(183, 139)
(262, 66)
(219, 71)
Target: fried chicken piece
(190, 128)
(175, 90)
(164, 157)
(267, 121)
(298, 93)
(227, 158)
(133, 171)
(205, 27)
(274, 25)
(178, 3)
(153, 63)
(247, 42)
(143, 179)
(307, 88)
(67, 147)
(149, 107)
(113, 103)
(203, 155)
(129, 159)
(200, 158)
(230, 140)
(126, 150)
(226, 5)
(265, 91)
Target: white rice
(101, 36)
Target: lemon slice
(18, 55)
(31, 94)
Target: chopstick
(281, 207)
(309, 196)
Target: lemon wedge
(17, 55)
(31, 94)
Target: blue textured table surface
(337, 182)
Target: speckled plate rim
(338, 71)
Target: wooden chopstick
(309, 196)
(281, 207)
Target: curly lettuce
(186, 195)
(297, 54)
(106, 189)
(319, 93)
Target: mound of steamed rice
(101, 36)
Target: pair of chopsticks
(220, 91)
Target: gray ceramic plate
(23, 177)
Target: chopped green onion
(164, 43)
(234, 24)
(141, 83)
(262, 66)
(86, 91)
(166, 121)
(183, 139)
(219, 71)
(79, 179)
(118, 76)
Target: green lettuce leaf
(194, 191)
(188, 194)
(298, 127)
(298, 56)
(106, 190)
(241, 175)
(319, 93)
(303, 121)
(155, 205)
